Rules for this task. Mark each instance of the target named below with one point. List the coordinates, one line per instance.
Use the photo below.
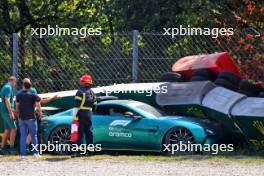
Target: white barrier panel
(120, 88)
(249, 107)
(184, 93)
(222, 99)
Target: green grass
(185, 158)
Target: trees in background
(119, 15)
(19, 16)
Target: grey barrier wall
(249, 107)
(222, 99)
(184, 93)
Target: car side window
(102, 110)
(111, 110)
(117, 111)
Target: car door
(116, 131)
(143, 132)
(102, 120)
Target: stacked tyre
(231, 81)
(261, 94)
(203, 75)
(171, 77)
(228, 80)
(249, 89)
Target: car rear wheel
(177, 136)
(61, 135)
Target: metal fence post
(15, 55)
(135, 57)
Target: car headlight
(209, 132)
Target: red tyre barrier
(216, 63)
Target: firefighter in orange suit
(85, 102)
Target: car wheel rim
(61, 135)
(180, 136)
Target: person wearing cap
(85, 102)
(7, 114)
(25, 108)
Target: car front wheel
(177, 139)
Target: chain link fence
(55, 63)
(5, 57)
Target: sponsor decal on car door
(133, 133)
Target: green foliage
(114, 15)
(56, 59)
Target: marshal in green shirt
(7, 91)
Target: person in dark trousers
(25, 108)
(33, 90)
(85, 102)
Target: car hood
(202, 122)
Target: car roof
(124, 102)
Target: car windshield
(151, 110)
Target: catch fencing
(55, 63)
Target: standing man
(7, 113)
(85, 102)
(43, 101)
(25, 107)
